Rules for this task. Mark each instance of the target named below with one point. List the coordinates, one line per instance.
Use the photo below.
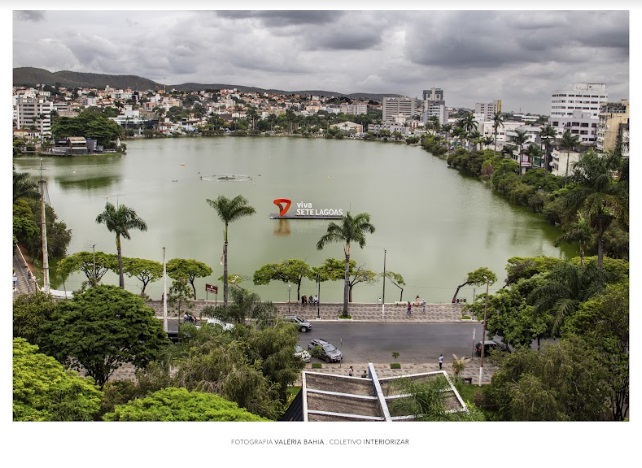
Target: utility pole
(383, 297)
(43, 223)
(165, 327)
(483, 337)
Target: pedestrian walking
(15, 280)
(423, 305)
(408, 309)
(350, 371)
(441, 361)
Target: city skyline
(520, 57)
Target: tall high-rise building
(577, 110)
(33, 113)
(434, 105)
(393, 107)
(486, 111)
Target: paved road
(415, 342)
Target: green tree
(601, 198)
(520, 138)
(24, 222)
(397, 280)
(290, 271)
(361, 275)
(103, 328)
(146, 271)
(190, 269)
(351, 230)
(120, 220)
(498, 121)
(564, 382)
(178, 404)
(93, 265)
(579, 232)
(603, 322)
(30, 313)
(229, 210)
(547, 134)
(44, 391)
(245, 305)
(180, 296)
(565, 288)
(24, 186)
(477, 277)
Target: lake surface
(434, 224)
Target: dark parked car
(302, 324)
(328, 352)
(488, 346)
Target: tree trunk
(225, 273)
(346, 286)
(121, 278)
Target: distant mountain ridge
(30, 76)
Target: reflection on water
(282, 227)
(434, 224)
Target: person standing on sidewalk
(408, 309)
(441, 361)
(423, 305)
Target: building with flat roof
(396, 106)
(613, 122)
(577, 110)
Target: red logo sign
(282, 209)
(211, 288)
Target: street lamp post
(318, 295)
(483, 337)
(289, 291)
(383, 296)
(93, 249)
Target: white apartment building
(394, 106)
(577, 110)
(613, 121)
(33, 113)
(562, 162)
(486, 111)
(354, 108)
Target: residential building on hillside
(486, 111)
(354, 108)
(394, 106)
(577, 110)
(613, 121)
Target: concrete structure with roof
(342, 398)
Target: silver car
(329, 353)
(302, 324)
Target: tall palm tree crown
(229, 210)
(498, 121)
(547, 134)
(120, 220)
(24, 186)
(351, 230)
(568, 142)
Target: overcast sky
(520, 57)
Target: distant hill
(29, 76)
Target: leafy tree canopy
(188, 268)
(30, 313)
(179, 404)
(103, 328)
(44, 391)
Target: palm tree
(351, 229)
(519, 139)
(120, 220)
(24, 186)
(534, 152)
(568, 142)
(468, 123)
(564, 289)
(498, 121)
(229, 210)
(547, 134)
(598, 194)
(580, 231)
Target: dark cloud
(281, 18)
(29, 15)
